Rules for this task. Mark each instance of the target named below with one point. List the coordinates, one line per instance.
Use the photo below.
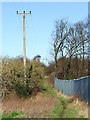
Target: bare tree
(59, 36)
(70, 42)
(76, 43)
(82, 33)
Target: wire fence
(74, 87)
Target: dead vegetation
(33, 107)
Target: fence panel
(73, 87)
(71, 92)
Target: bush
(21, 89)
(13, 76)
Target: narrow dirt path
(64, 107)
(76, 104)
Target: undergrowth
(60, 111)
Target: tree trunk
(55, 65)
(63, 65)
(69, 66)
(83, 59)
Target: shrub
(13, 76)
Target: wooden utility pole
(24, 41)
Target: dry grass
(79, 105)
(32, 107)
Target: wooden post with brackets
(24, 41)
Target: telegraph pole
(24, 41)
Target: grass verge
(13, 115)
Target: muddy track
(64, 107)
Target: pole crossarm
(24, 13)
